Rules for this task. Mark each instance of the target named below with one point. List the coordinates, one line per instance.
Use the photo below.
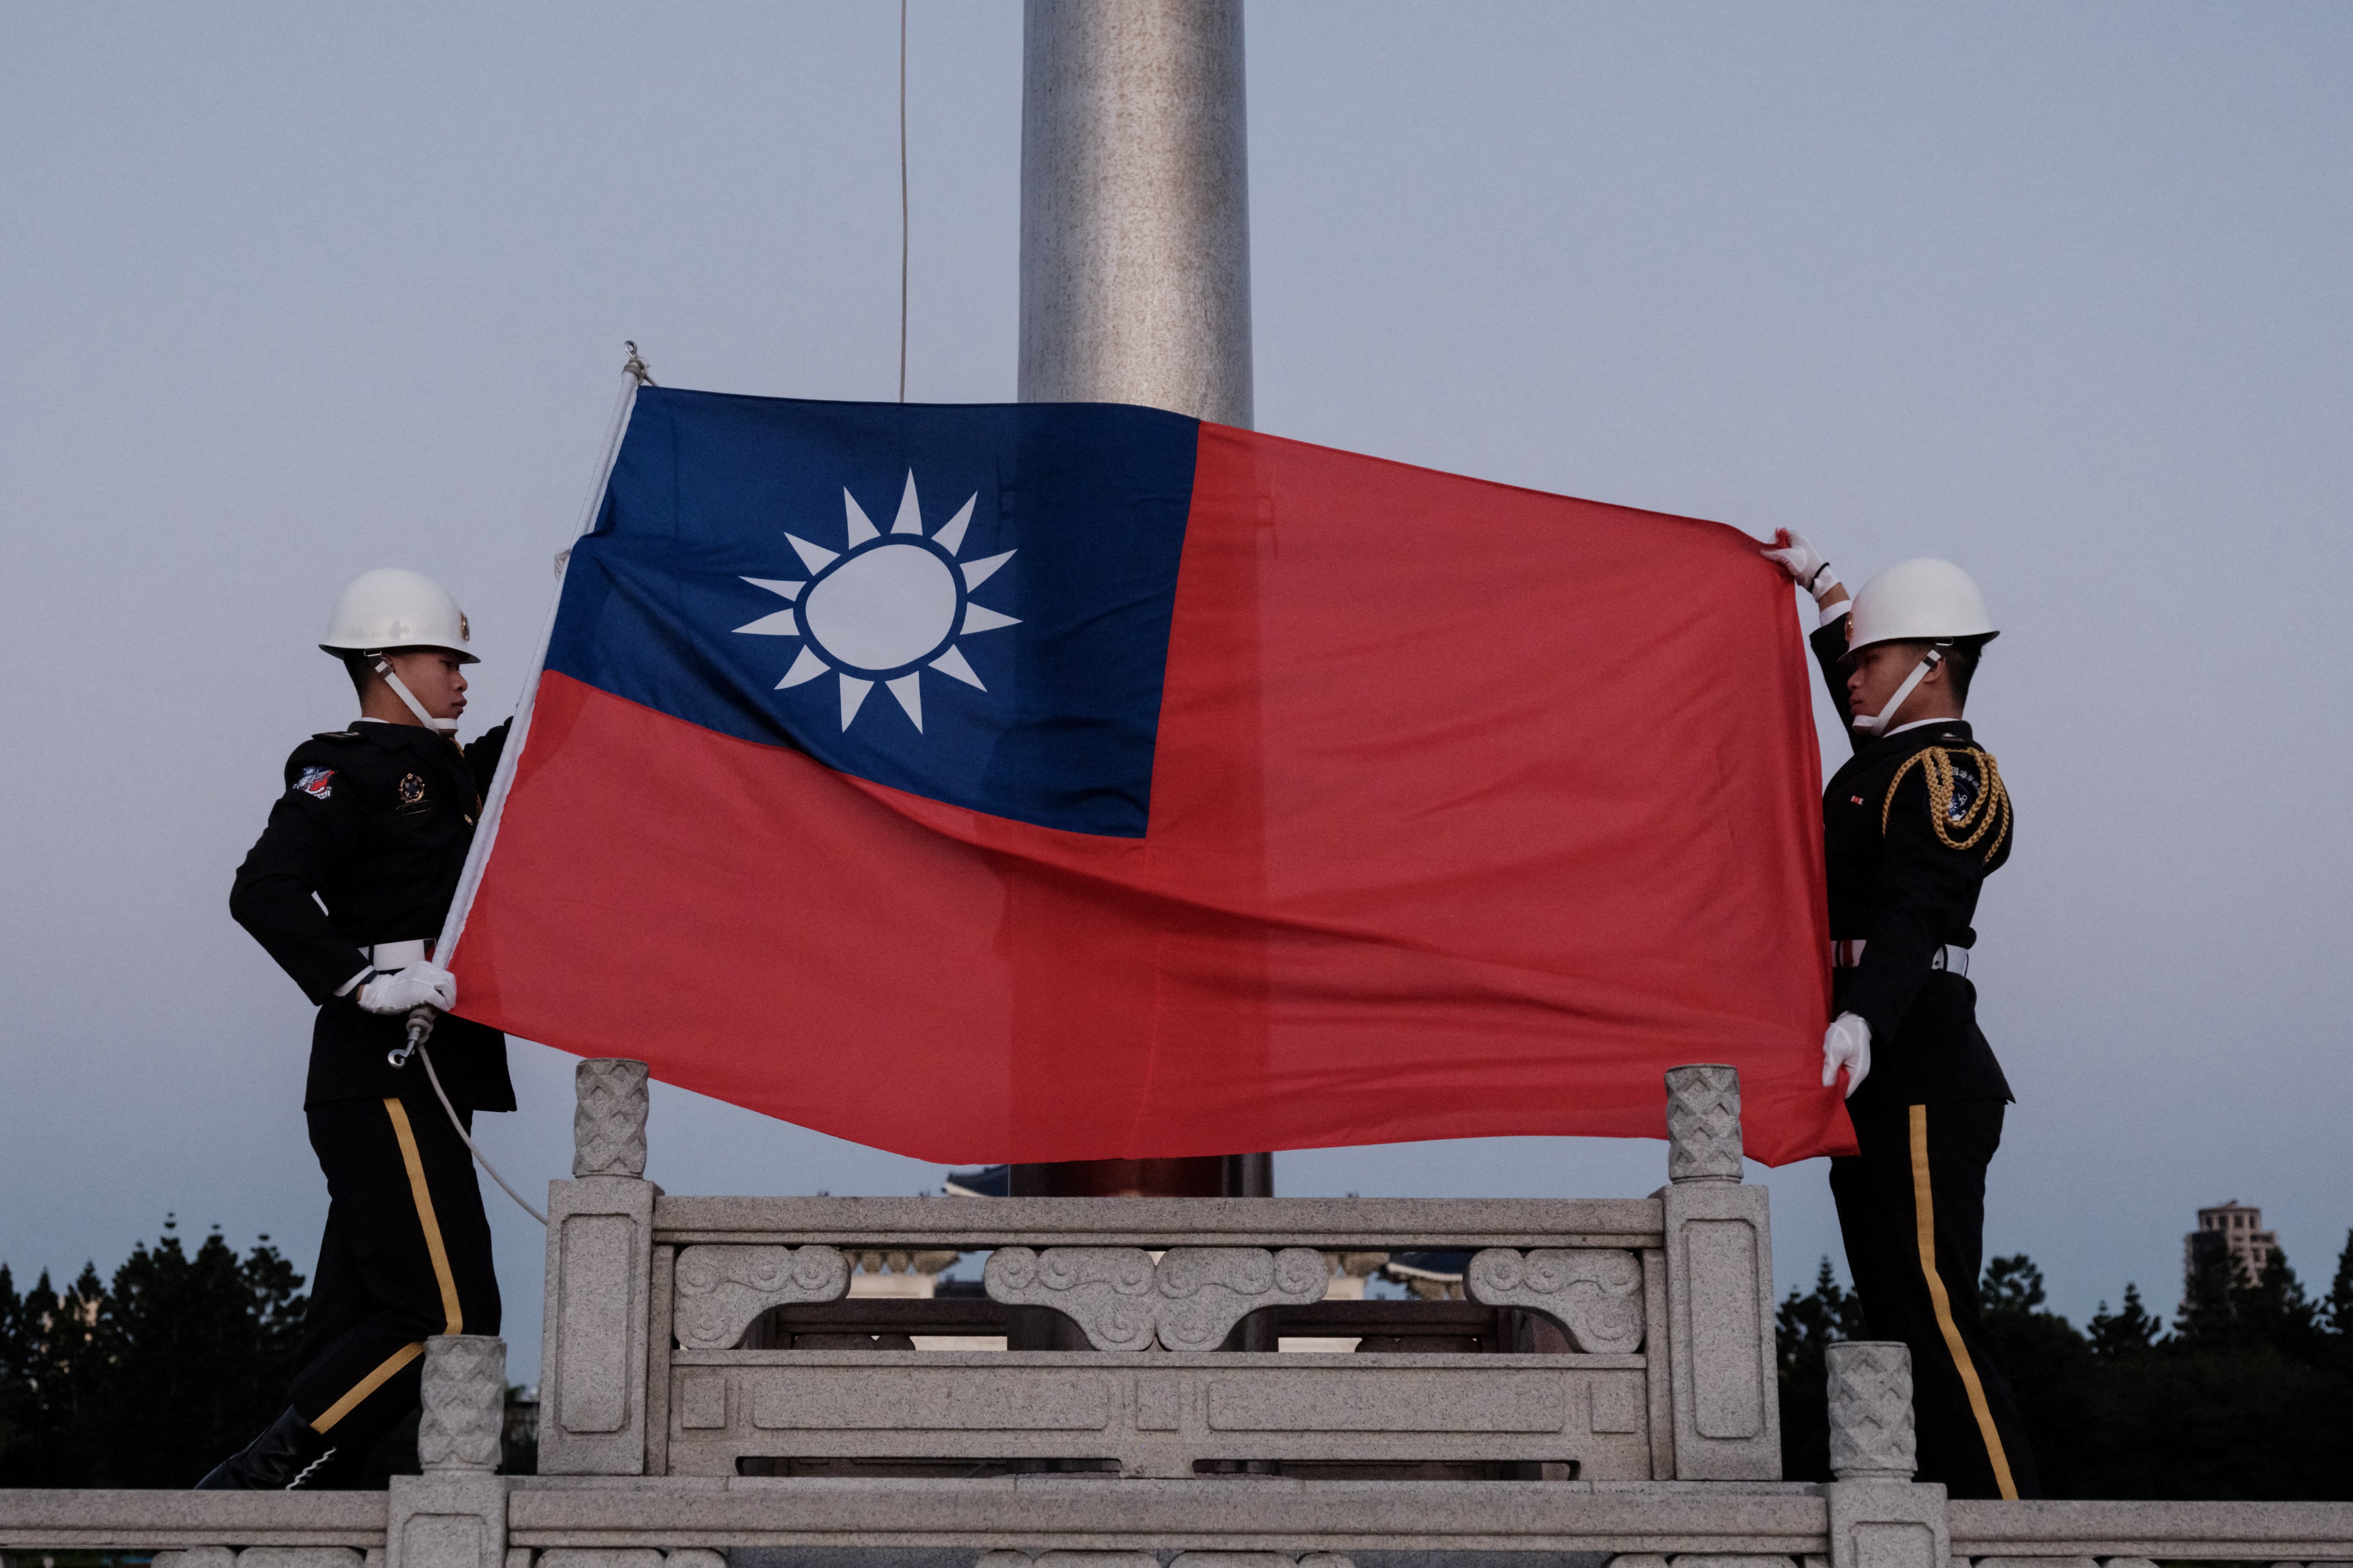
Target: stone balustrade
(1609, 1340)
(1605, 1386)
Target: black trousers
(406, 1255)
(1912, 1207)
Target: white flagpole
(494, 805)
(420, 1022)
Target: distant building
(2233, 1228)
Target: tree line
(2247, 1394)
(151, 1379)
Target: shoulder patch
(317, 782)
(1966, 802)
(336, 735)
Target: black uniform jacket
(1912, 826)
(375, 822)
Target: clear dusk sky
(2063, 292)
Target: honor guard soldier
(1912, 826)
(346, 888)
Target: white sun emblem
(886, 609)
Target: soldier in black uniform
(374, 824)
(1912, 826)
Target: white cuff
(367, 972)
(1837, 611)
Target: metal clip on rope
(420, 1028)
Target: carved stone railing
(1619, 1350)
(1610, 1340)
(1144, 1382)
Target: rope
(461, 1129)
(902, 201)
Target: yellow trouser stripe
(1924, 1214)
(367, 1386)
(424, 1196)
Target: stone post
(608, 1118)
(1719, 1266)
(599, 1280)
(1870, 1411)
(465, 1403)
(1703, 1124)
(1879, 1517)
(455, 1514)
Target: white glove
(418, 985)
(1846, 1044)
(1795, 554)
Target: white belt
(388, 956)
(1849, 956)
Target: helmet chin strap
(1876, 725)
(449, 726)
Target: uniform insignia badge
(317, 781)
(412, 791)
(1964, 795)
(1856, 799)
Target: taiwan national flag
(1049, 782)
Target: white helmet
(1925, 600)
(389, 608)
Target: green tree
(151, 1383)
(58, 1367)
(2205, 1321)
(2338, 1308)
(16, 1396)
(198, 1351)
(2048, 1366)
(2129, 1332)
(2270, 1312)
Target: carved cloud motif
(1122, 1301)
(1205, 1290)
(1106, 1291)
(1595, 1295)
(722, 1289)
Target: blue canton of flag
(1005, 574)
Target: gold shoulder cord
(1990, 812)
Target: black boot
(282, 1459)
